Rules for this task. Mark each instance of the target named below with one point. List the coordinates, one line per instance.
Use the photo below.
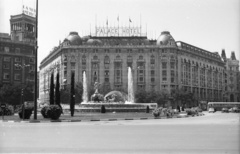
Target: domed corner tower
(166, 39)
(74, 39)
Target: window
(6, 49)
(152, 72)
(6, 59)
(172, 73)
(106, 79)
(118, 72)
(31, 60)
(72, 66)
(152, 79)
(164, 79)
(164, 65)
(6, 66)
(152, 61)
(164, 72)
(106, 73)
(31, 68)
(17, 59)
(17, 67)
(16, 76)
(17, 50)
(6, 76)
(172, 65)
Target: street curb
(94, 120)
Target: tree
(78, 92)
(65, 93)
(11, 94)
(51, 93)
(57, 92)
(72, 95)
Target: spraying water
(130, 87)
(85, 92)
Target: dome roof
(165, 39)
(94, 42)
(74, 39)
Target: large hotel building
(162, 65)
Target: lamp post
(22, 94)
(36, 50)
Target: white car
(211, 110)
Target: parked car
(231, 110)
(225, 110)
(236, 109)
(211, 110)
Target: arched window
(95, 57)
(152, 60)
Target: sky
(212, 25)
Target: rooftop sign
(118, 31)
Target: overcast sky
(209, 24)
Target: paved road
(213, 133)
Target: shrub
(53, 112)
(7, 111)
(156, 112)
(191, 111)
(169, 113)
(27, 112)
(103, 109)
(44, 111)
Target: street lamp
(22, 102)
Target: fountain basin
(116, 107)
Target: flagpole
(95, 24)
(140, 25)
(107, 26)
(118, 25)
(129, 26)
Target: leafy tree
(72, 95)
(11, 94)
(51, 93)
(65, 93)
(143, 96)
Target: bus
(219, 105)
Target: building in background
(162, 65)
(17, 50)
(232, 83)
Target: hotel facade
(162, 65)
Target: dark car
(225, 110)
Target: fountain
(114, 101)
(130, 87)
(85, 91)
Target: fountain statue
(97, 97)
